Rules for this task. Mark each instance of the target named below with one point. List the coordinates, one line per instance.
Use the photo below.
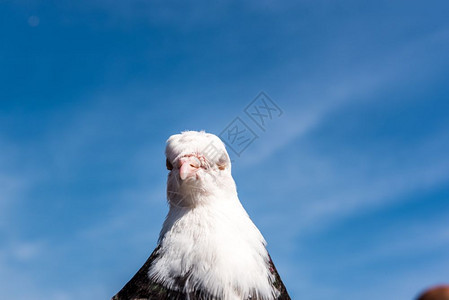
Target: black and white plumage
(208, 247)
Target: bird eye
(168, 164)
(222, 162)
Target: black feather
(141, 287)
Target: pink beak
(188, 166)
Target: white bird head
(199, 167)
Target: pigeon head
(199, 166)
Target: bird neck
(214, 246)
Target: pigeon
(208, 247)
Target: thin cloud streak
(337, 93)
(366, 192)
(415, 239)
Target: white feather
(207, 237)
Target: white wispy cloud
(13, 184)
(417, 238)
(354, 188)
(325, 95)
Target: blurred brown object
(440, 292)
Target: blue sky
(349, 185)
